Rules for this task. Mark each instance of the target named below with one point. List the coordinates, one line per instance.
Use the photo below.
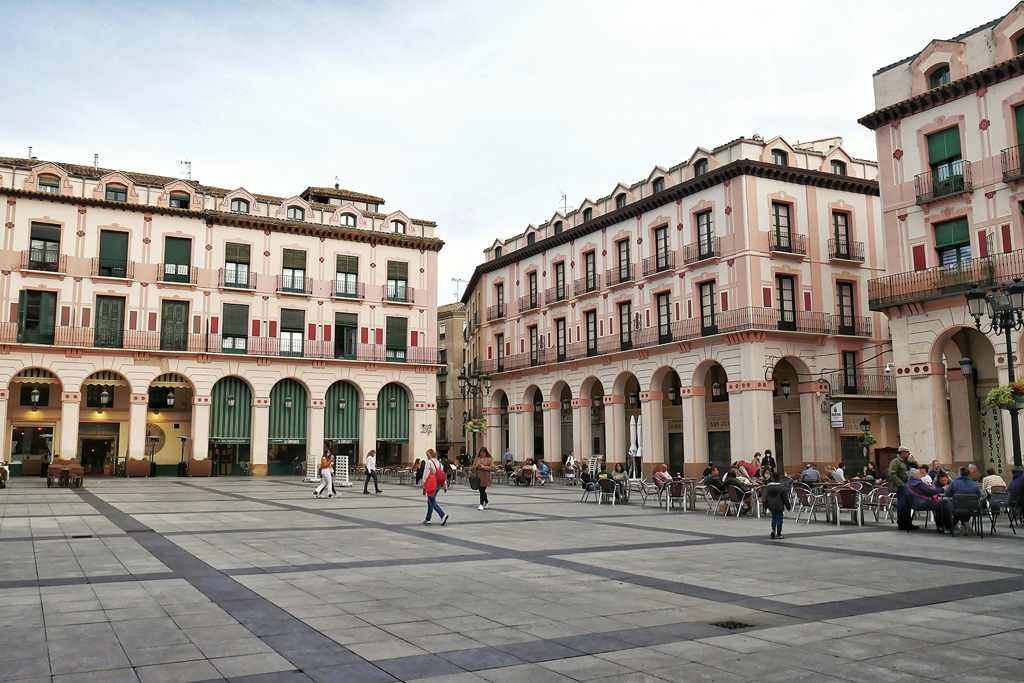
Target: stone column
(201, 427)
(615, 428)
(517, 430)
(815, 431)
(553, 432)
(71, 405)
(652, 430)
(923, 415)
(259, 447)
(315, 438)
(137, 426)
(526, 428)
(697, 428)
(421, 429)
(751, 418)
(582, 438)
(367, 430)
(492, 437)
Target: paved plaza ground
(254, 580)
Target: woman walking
(483, 465)
(326, 477)
(433, 480)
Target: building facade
(948, 124)
(722, 302)
(451, 407)
(159, 319)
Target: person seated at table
(810, 475)
(585, 479)
(661, 476)
(991, 479)
(712, 478)
(942, 481)
(933, 471)
(543, 473)
(963, 484)
(925, 497)
(734, 477)
(870, 473)
(619, 477)
(510, 469)
(838, 474)
(1016, 489)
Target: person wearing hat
(899, 475)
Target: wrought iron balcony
(496, 312)
(861, 384)
(44, 261)
(703, 250)
(529, 302)
(953, 180)
(1011, 164)
(659, 263)
(348, 290)
(398, 293)
(179, 273)
(555, 294)
(236, 280)
(845, 250)
(782, 242)
(619, 275)
(123, 270)
(945, 281)
(850, 325)
(586, 285)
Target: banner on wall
(836, 413)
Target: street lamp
(865, 425)
(1005, 308)
(787, 388)
(35, 395)
(473, 384)
(170, 398)
(288, 403)
(342, 404)
(231, 401)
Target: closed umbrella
(638, 455)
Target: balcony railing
(759, 318)
(850, 325)
(402, 294)
(586, 285)
(950, 181)
(181, 341)
(787, 243)
(529, 302)
(349, 290)
(236, 280)
(945, 281)
(290, 284)
(700, 251)
(619, 274)
(496, 312)
(556, 294)
(868, 385)
(659, 263)
(178, 272)
(845, 250)
(43, 261)
(124, 270)
(1011, 164)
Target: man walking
(371, 471)
(899, 475)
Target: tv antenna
(458, 286)
(565, 205)
(187, 165)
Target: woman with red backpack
(434, 480)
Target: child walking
(776, 499)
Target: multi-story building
(155, 318)
(722, 301)
(451, 344)
(949, 125)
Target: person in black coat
(776, 499)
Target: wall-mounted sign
(835, 411)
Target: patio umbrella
(638, 455)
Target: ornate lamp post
(1005, 308)
(472, 384)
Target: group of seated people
(530, 472)
(932, 490)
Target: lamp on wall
(965, 366)
(342, 404)
(673, 393)
(35, 395)
(288, 403)
(787, 388)
(392, 402)
(231, 401)
(865, 425)
(104, 398)
(170, 398)
(716, 389)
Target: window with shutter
(396, 336)
(44, 248)
(591, 321)
(293, 271)
(292, 339)
(109, 322)
(174, 325)
(37, 314)
(237, 272)
(953, 242)
(398, 281)
(945, 161)
(236, 325)
(347, 277)
(345, 327)
(177, 259)
(113, 254)
(781, 228)
(626, 325)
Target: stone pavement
(254, 580)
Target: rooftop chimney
(95, 160)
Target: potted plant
(1006, 396)
(868, 439)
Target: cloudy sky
(476, 114)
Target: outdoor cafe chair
(737, 498)
(675, 495)
(968, 504)
(606, 491)
(809, 501)
(999, 502)
(716, 498)
(847, 499)
(588, 489)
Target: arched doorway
(343, 407)
(563, 396)
(670, 431)
(597, 421)
(716, 416)
(33, 415)
(787, 423)
(289, 408)
(534, 446)
(504, 424)
(975, 431)
(393, 407)
(168, 423)
(627, 447)
(103, 423)
(231, 426)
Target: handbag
(474, 482)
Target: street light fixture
(35, 395)
(1005, 308)
(787, 388)
(342, 404)
(865, 425)
(170, 398)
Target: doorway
(779, 451)
(229, 458)
(98, 456)
(389, 453)
(675, 452)
(719, 452)
(854, 458)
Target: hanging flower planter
(1006, 396)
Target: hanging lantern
(35, 396)
(170, 399)
(104, 397)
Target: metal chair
(968, 505)
(715, 497)
(809, 501)
(736, 498)
(847, 499)
(606, 490)
(998, 502)
(676, 495)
